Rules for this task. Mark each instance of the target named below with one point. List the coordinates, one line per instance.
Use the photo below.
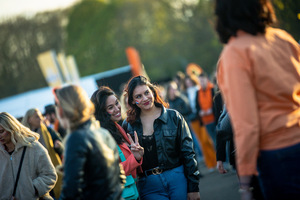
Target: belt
(153, 171)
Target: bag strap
(121, 154)
(19, 170)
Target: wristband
(242, 190)
(245, 184)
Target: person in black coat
(224, 136)
(91, 158)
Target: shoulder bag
(130, 191)
(18, 174)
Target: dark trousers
(279, 173)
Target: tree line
(168, 34)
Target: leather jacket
(91, 165)
(174, 144)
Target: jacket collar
(84, 125)
(163, 116)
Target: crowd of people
(147, 143)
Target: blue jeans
(211, 129)
(169, 185)
(279, 173)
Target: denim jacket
(174, 144)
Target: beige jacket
(37, 172)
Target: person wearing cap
(50, 115)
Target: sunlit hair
(99, 98)
(124, 104)
(180, 78)
(29, 114)
(251, 16)
(76, 105)
(19, 133)
(134, 111)
(172, 84)
(193, 78)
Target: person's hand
(58, 144)
(13, 198)
(220, 167)
(193, 196)
(201, 113)
(136, 149)
(208, 111)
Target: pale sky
(9, 8)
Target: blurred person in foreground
(36, 175)
(258, 74)
(169, 157)
(91, 160)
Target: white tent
(17, 105)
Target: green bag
(130, 191)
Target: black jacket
(174, 144)
(224, 135)
(181, 104)
(91, 167)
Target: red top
(130, 165)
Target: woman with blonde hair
(26, 170)
(91, 160)
(33, 119)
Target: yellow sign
(50, 68)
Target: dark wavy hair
(251, 16)
(99, 98)
(134, 110)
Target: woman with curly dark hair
(261, 65)
(108, 113)
(169, 167)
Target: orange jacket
(205, 102)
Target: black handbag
(224, 128)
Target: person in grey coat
(37, 175)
